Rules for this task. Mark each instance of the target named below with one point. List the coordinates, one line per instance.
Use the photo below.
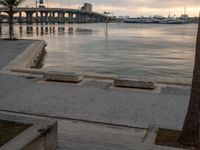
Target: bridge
(53, 15)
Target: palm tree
(10, 4)
(191, 129)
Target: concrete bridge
(53, 15)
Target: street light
(36, 3)
(107, 21)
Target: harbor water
(142, 50)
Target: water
(126, 49)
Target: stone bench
(130, 82)
(63, 76)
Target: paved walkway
(131, 108)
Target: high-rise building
(87, 7)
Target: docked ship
(157, 20)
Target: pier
(52, 15)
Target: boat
(156, 20)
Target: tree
(191, 129)
(10, 4)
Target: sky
(132, 8)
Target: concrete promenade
(91, 100)
(10, 49)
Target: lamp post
(36, 6)
(107, 21)
(36, 3)
(47, 3)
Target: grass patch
(9, 130)
(170, 138)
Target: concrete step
(79, 136)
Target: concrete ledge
(28, 59)
(151, 135)
(29, 71)
(63, 76)
(41, 135)
(134, 83)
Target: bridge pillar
(86, 20)
(95, 18)
(29, 17)
(41, 17)
(46, 19)
(36, 17)
(61, 16)
(20, 17)
(58, 19)
(50, 17)
(1, 20)
(70, 19)
(91, 18)
(53, 17)
(78, 18)
(98, 19)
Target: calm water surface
(127, 49)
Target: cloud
(132, 7)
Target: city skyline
(131, 8)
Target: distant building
(126, 17)
(158, 17)
(185, 16)
(87, 7)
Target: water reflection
(84, 31)
(128, 49)
(20, 30)
(42, 30)
(61, 30)
(48, 30)
(70, 30)
(29, 30)
(54, 30)
(37, 31)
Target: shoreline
(35, 59)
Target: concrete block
(130, 82)
(63, 76)
(42, 135)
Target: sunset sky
(131, 7)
